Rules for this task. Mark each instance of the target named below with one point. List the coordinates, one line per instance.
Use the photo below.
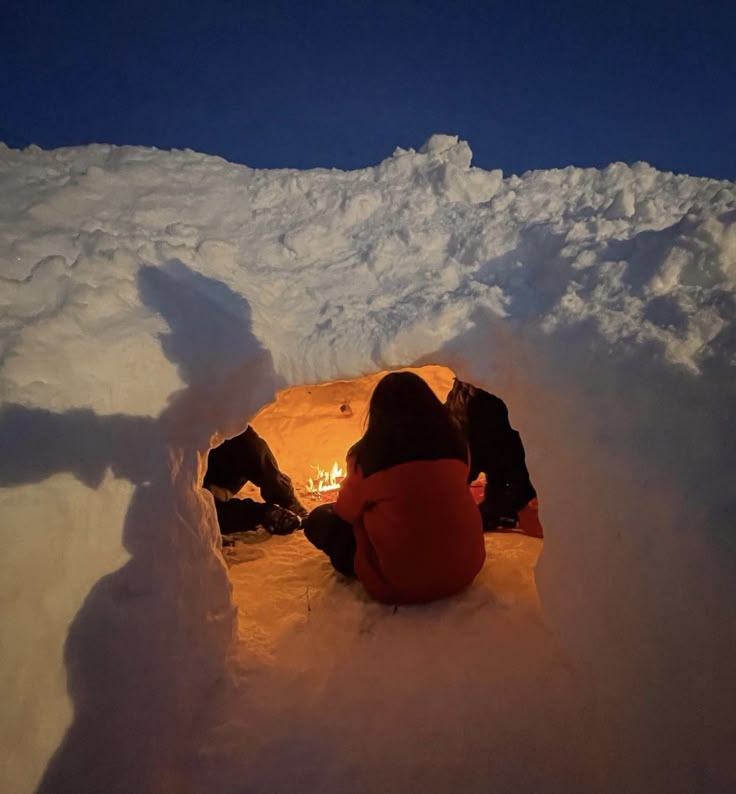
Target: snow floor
(331, 692)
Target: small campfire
(326, 479)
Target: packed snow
(152, 302)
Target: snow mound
(151, 302)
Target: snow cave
(313, 426)
(309, 429)
(156, 302)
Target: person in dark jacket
(495, 449)
(404, 521)
(248, 458)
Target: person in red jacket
(404, 521)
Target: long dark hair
(406, 422)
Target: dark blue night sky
(340, 84)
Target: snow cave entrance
(309, 430)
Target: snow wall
(153, 301)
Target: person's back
(418, 531)
(404, 521)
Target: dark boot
(279, 521)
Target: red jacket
(418, 531)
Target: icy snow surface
(152, 302)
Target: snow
(152, 302)
(333, 693)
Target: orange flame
(326, 480)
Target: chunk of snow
(622, 205)
(436, 144)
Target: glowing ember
(326, 480)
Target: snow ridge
(357, 259)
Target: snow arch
(139, 327)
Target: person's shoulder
(427, 469)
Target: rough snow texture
(151, 302)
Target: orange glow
(326, 480)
